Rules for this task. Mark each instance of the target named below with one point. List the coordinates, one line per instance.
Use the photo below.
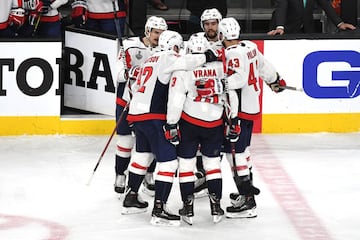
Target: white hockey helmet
(228, 29)
(168, 39)
(210, 14)
(197, 44)
(155, 22)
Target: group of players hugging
(185, 111)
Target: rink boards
(327, 70)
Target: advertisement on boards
(92, 70)
(328, 70)
(29, 79)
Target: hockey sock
(121, 164)
(186, 189)
(162, 191)
(135, 181)
(215, 186)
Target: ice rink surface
(310, 189)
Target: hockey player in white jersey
(196, 108)
(245, 65)
(101, 16)
(12, 17)
(209, 22)
(210, 19)
(148, 112)
(44, 18)
(136, 51)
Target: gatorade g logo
(332, 74)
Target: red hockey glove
(17, 17)
(133, 73)
(79, 13)
(278, 84)
(209, 87)
(172, 133)
(233, 131)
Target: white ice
(309, 183)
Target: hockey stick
(108, 142)
(36, 26)
(117, 23)
(292, 88)
(119, 35)
(237, 178)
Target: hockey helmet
(197, 44)
(155, 22)
(229, 29)
(168, 39)
(210, 14)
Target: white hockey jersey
(53, 14)
(150, 99)
(185, 102)
(6, 6)
(216, 46)
(245, 66)
(135, 54)
(104, 9)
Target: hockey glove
(233, 131)
(209, 87)
(133, 73)
(211, 56)
(39, 6)
(79, 13)
(17, 17)
(278, 84)
(172, 133)
(245, 187)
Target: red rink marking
(290, 199)
(56, 231)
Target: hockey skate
(162, 217)
(242, 206)
(149, 185)
(120, 183)
(200, 187)
(216, 211)
(133, 204)
(187, 212)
